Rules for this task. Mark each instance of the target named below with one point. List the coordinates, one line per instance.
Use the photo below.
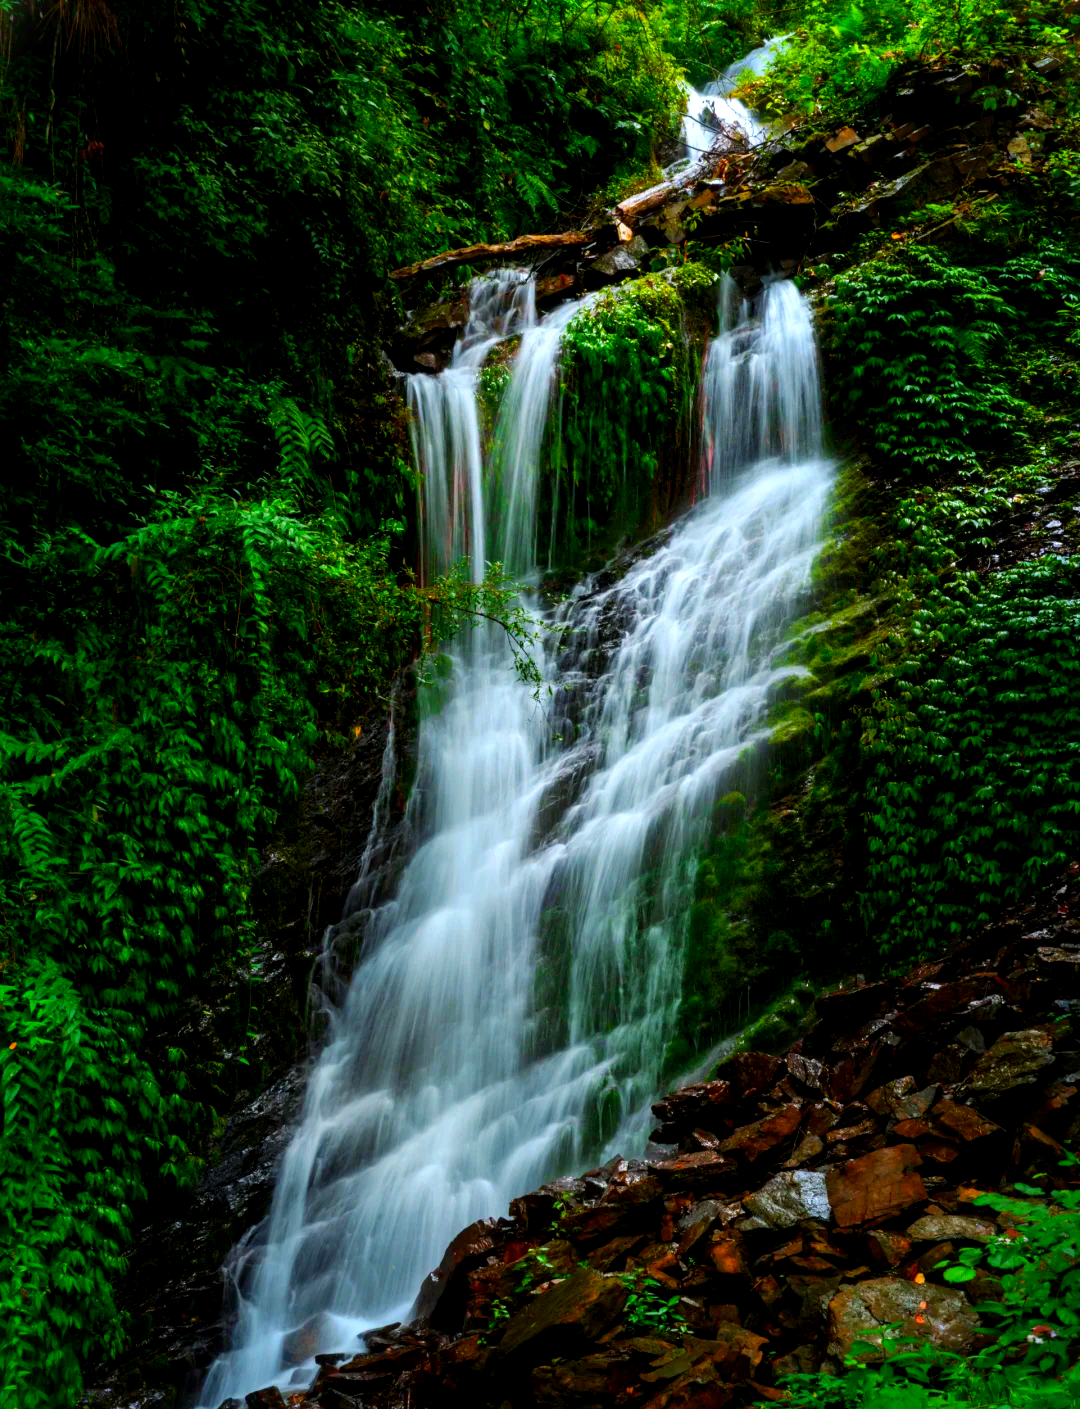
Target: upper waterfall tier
(511, 1011)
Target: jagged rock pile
(809, 1197)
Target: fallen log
(632, 208)
(449, 259)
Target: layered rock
(806, 1201)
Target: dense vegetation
(206, 513)
(207, 525)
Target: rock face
(809, 1204)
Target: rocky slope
(806, 1198)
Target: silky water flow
(509, 1016)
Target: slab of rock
(444, 1288)
(940, 1315)
(902, 1100)
(270, 1398)
(696, 1105)
(686, 1171)
(937, 1227)
(1015, 1059)
(790, 1197)
(875, 1186)
(963, 1121)
(753, 1140)
(563, 1320)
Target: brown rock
(727, 1256)
(270, 1398)
(942, 999)
(557, 284)
(911, 1129)
(902, 1099)
(694, 1105)
(601, 1376)
(694, 1169)
(851, 1074)
(443, 1289)
(304, 1342)
(840, 141)
(564, 1319)
(935, 1227)
(891, 1247)
(806, 1070)
(604, 1259)
(808, 1148)
(949, 1065)
(634, 1184)
(1014, 1060)
(851, 1132)
(875, 1186)
(940, 1315)
(753, 1140)
(751, 1073)
(963, 1121)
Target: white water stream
(509, 1015)
(712, 112)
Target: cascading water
(510, 1013)
(712, 110)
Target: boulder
(1014, 1060)
(303, 1343)
(936, 1227)
(940, 1315)
(753, 1140)
(875, 1186)
(562, 1321)
(619, 263)
(270, 1398)
(790, 1197)
(442, 1296)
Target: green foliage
(973, 794)
(841, 56)
(630, 375)
(1034, 1327)
(651, 1309)
(916, 334)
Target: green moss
(621, 460)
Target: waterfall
(712, 109)
(509, 1015)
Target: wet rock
(875, 1186)
(964, 1122)
(790, 1197)
(901, 1100)
(304, 1342)
(271, 1398)
(442, 1297)
(561, 1321)
(700, 1105)
(751, 1073)
(1014, 1060)
(940, 1315)
(935, 1227)
(753, 1140)
(695, 1170)
(619, 263)
(593, 1377)
(889, 1247)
